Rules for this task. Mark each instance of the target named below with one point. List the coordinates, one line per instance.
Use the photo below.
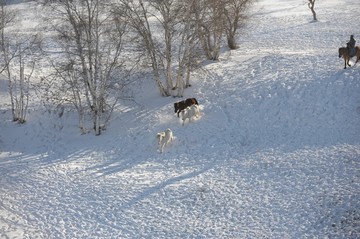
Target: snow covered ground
(275, 153)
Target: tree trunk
(311, 5)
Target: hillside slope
(274, 154)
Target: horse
(343, 51)
(181, 105)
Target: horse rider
(351, 46)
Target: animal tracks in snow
(275, 153)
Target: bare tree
(311, 5)
(20, 83)
(168, 21)
(186, 47)
(214, 18)
(136, 14)
(64, 87)
(179, 37)
(167, 32)
(92, 41)
(209, 20)
(235, 14)
(18, 64)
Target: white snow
(274, 154)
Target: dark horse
(343, 51)
(181, 105)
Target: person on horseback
(351, 46)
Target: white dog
(190, 112)
(164, 138)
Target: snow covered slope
(275, 153)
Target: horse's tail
(341, 49)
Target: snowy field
(275, 153)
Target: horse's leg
(346, 59)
